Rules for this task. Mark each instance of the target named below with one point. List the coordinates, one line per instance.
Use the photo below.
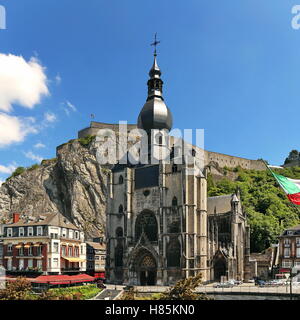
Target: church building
(161, 226)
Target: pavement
(107, 294)
(209, 288)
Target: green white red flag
(290, 186)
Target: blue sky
(231, 67)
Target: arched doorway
(147, 270)
(219, 268)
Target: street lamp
(293, 270)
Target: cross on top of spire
(155, 43)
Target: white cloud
(15, 129)
(32, 156)
(1, 182)
(68, 107)
(49, 117)
(7, 169)
(71, 106)
(21, 82)
(39, 145)
(58, 79)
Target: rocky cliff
(73, 184)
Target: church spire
(155, 114)
(155, 84)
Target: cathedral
(160, 224)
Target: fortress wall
(96, 126)
(223, 160)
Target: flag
(290, 186)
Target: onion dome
(155, 114)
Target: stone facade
(156, 225)
(228, 238)
(160, 233)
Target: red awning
(99, 275)
(63, 279)
(284, 270)
(59, 279)
(82, 278)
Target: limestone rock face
(73, 184)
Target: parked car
(260, 283)
(223, 285)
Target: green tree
(184, 290)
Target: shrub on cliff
(86, 140)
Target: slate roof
(53, 219)
(219, 204)
(97, 245)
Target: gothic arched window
(159, 139)
(174, 168)
(146, 222)
(121, 180)
(174, 202)
(120, 209)
(172, 153)
(119, 232)
(119, 256)
(173, 253)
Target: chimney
(16, 217)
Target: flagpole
(265, 163)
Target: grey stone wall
(223, 160)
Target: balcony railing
(23, 271)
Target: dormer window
(30, 231)
(39, 231)
(9, 232)
(21, 232)
(70, 234)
